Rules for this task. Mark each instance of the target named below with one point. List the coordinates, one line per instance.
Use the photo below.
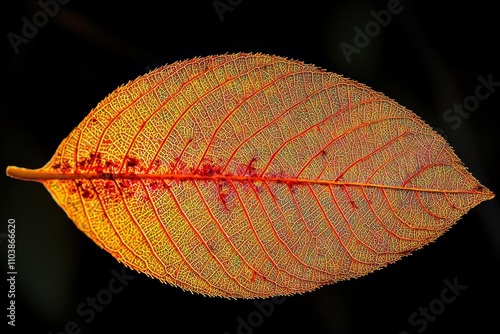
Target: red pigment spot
(317, 127)
(155, 185)
(66, 167)
(72, 190)
(283, 178)
(135, 164)
(93, 159)
(211, 245)
(223, 190)
(131, 162)
(110, 190)
(125, 187)
(95, 164)
(480, 188)
(83, 164)
(208, 168)
(109, 186)
(156, 164)
(63, 167)
(124, 183)
(223, 197)
(85, 191)
(256, 275)
(354, 206)
(248, 169)
(87, 194)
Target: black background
(427, 58)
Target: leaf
(248, 175)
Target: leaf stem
(24, 174)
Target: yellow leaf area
(248, 175)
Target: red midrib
(41, 175)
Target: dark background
(427, 58)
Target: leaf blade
(252, 175)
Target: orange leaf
(248, 175)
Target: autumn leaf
(249, 175)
